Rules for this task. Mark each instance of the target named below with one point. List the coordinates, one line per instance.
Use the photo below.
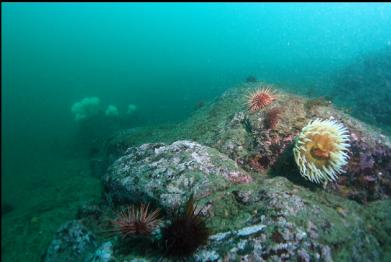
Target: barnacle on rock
(321, 149)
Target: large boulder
(167, 174)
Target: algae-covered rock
(168, 174)
(289, 223)
(269, 219)
(248, 139)
(240, 168)
(103, 254)
(72, 242)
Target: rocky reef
(239, 167)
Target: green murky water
(165, 60)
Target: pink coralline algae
(239, 178)
(366, 161)
(364, 180)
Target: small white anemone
(111, 111)
(86, 108)
(321, 150)
(131, 108)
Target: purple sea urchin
(186, 232)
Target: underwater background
(168, 60)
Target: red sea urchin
(186, 232)
(136, 221)
(261, 98)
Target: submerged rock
(290, 224)
(104, 253)
(249, 140)
(168, 174)
(72, 242)
(269, 219)
(241, 170)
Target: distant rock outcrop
(364, 87)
